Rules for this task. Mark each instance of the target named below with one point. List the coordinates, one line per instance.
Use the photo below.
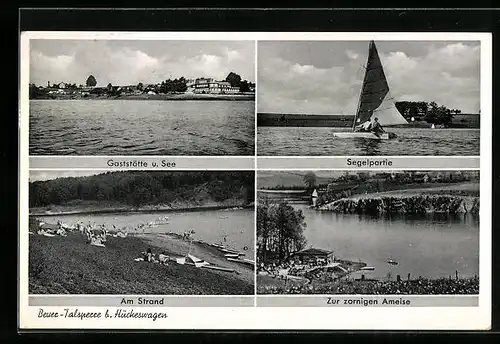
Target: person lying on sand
(60, 231)
(96, 241)
(163, 258)
(46, 230)
(121, 233)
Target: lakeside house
(314, 256)
(210, 86)
(314, 197)
(194, 86)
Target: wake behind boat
(376, 106)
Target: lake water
(141, 127)
(210, 225)
(432, 246)
(302, 141)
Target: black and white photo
(141, 97)
(141, 233)
(223, 180)
(371, 232)
(391, 98)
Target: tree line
(403, 177)
(280, 231)
(430, 112)
(177, 85)
(236, 81)
(145, 188)
(349, 184)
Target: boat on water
(367, 268)
(375, 102)
(392, 262)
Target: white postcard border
(394, 318)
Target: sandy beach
(68, 265)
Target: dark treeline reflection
(141, 188)
(435, 217)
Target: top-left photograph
(141, 97)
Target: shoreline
(411, 204)
(319, 281)
(112, 210)
(418, 286)
(169, 97)
(84, 269)
(461, 121)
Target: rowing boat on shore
(242, 261)
(367, 268)
(218, 268)
(227, 251)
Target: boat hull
(355, 135)
(241, 261)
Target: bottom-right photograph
(368, 232)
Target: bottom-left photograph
(141, 232)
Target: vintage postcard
(255, 180)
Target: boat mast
(362, 85)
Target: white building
(210, 86)
(314, 197)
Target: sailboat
(374, 102)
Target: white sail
(387, 113)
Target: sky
(129, 62)
(325, 77)
(39, 175)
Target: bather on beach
(96, 241)
(60, 231)
(163, 258)
(121, 233)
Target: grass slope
(67, 265)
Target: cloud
(232, 55)
(131, 62)
(293, 79)
(351, 54)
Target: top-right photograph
(368, 98)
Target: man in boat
(376, 128)
(365, 127)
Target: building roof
(314, 251)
